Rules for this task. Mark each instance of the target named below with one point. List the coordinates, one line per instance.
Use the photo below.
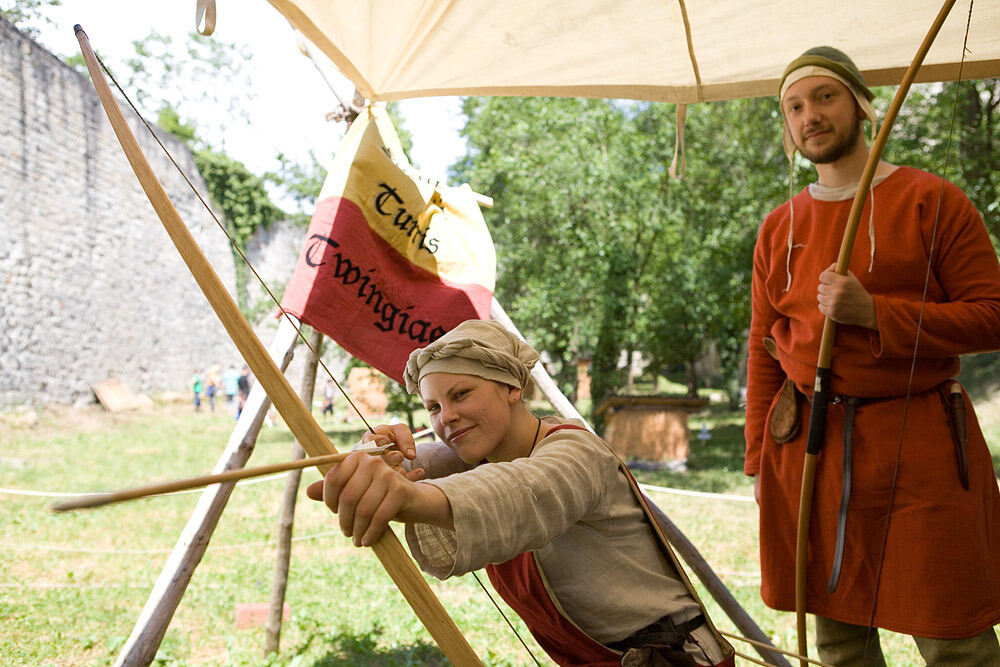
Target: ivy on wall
(236, 192)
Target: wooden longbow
(821, 386)
(310, 435)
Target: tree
(971, 159)
(27, 15)
(568, 224)
(201, 78)
(599, 251)
(734, 175)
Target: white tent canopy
(662, 50)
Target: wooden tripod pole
(299, 420)
(286, 521)
(154, 619)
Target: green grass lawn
(73, 584)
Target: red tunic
(939, 572)
(519, 582)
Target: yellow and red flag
(391, 262)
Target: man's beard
(837, 150)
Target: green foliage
(562, 218)
(180, 82)
(405, 137)
(302, 182)
(599, 251)
(699, 292)
(245, 206)
(168, 119)
(186, 77)
(238, 192)
(28, 15)
(77, 62)
(954, 130)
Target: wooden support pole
(716, 588)
(151, 626)
(286, 521)
(306, 430)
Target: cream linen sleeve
(503, 509)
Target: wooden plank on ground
(116, 397)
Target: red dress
(939, 575)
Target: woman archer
(543, 504)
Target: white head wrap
(482, 348)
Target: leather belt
(851, 404)
(663, 632)
(951, 396)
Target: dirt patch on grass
(55, 419)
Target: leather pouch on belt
(784, 423)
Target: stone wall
(92, 287)
(273, 252)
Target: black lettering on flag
(402, 219)
(390, 317)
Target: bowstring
(504, 616)
(236, 247)
(284, 313)
(920, 319)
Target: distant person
(231, 384)
(243, 385)
(213, 383)
(328, 398)
(197, 384)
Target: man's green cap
(834, 60)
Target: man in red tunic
(905, 532)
